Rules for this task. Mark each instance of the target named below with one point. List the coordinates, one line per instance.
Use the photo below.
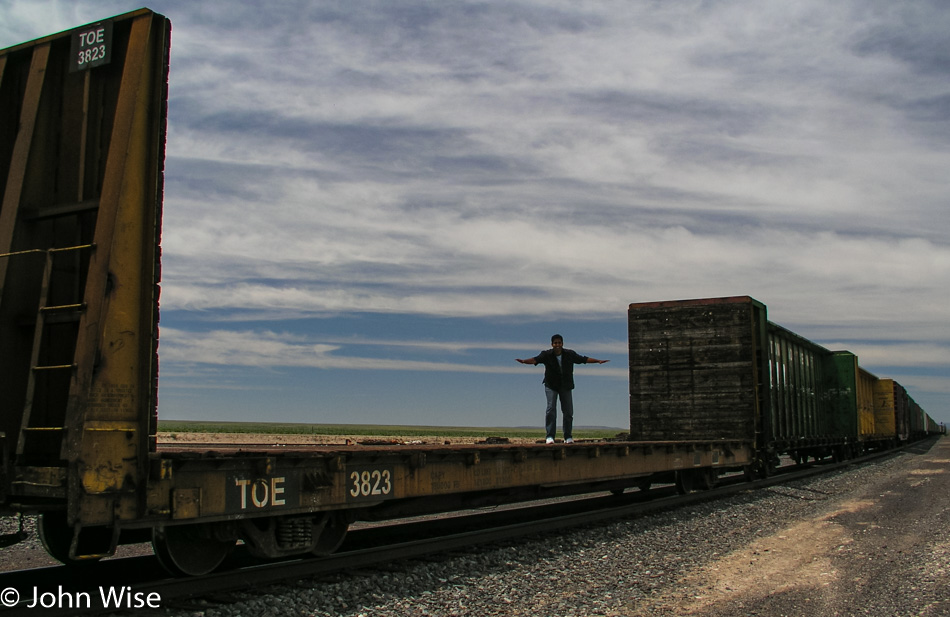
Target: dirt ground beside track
(884, 550)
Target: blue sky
(372, 208)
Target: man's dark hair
(557, 337)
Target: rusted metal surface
(224, 481)
(890, 409)
(82, 130)
(870, 429)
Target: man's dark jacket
(559, 376)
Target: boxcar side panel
(901, 412)
(885, 408)
(840, 392)
(916, 419)
(796, 387)
(869, 429)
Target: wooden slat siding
(692, 371)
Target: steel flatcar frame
(219, 484)
(291, 500)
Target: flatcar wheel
(189, 550)
(706, 478)
(332, 535)
(749, 473)
(57, 537)
(684, 481)
(765, 466)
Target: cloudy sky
(372, 208)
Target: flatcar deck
(218, 481)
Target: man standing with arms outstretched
(558, 383)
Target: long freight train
(714, 386)
(717, 368)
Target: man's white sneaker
(549, 440)
(569, 440)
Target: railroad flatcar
(714, 386)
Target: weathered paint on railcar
(857, 399)
(933, 427)
(222, 484)
(901, 412)
(889, 407)
(866, 413)
(917, 419)
(798, 385)
(82, 145)
(842, 394)
(696, 369)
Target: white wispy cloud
(274, 349)
(549, 160)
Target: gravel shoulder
(871, 542)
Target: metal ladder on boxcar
(51, 363)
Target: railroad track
(131, 583)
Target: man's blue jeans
(567, 410)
